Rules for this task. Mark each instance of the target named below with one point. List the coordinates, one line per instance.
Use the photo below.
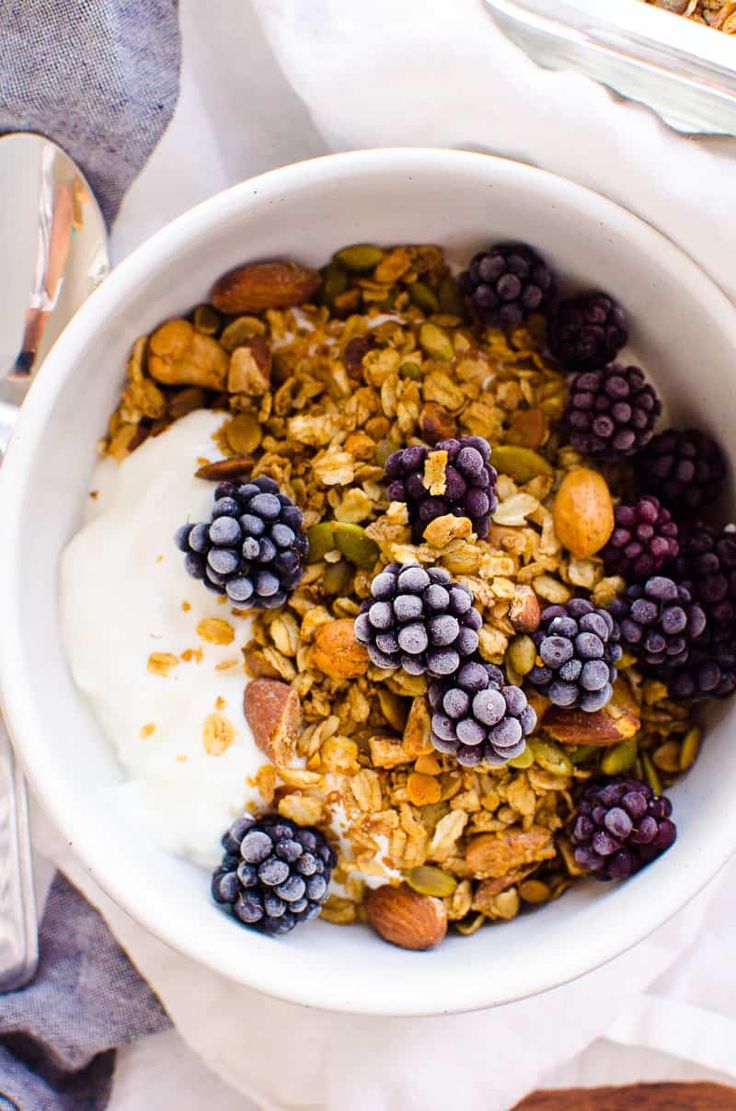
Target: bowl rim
(16, 687)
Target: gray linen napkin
(99, 77)
(58, 1035)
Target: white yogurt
(124, 596)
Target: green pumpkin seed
(243, 433)
(690, 747)
(619, 758)
(469, 926)
(239, 331)
(207, 320)
(667, 757)
(394, 709)
(355, 544)
(521, 463)
(337, 577)
(534, 891)
(650, 774)
(525, 759)
(580, 753)
(412, 371)
(321, 541)
(522, 653)
(334, 282)
(360, 257)
(427, 880)
(424, 297)
(384, 448)
(431, 814)
(450, 300)
(550, 757)
(435, 341)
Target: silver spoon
(53, 250)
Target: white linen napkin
(341, 74)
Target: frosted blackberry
(659, 622)
(619, 826)
(644, 539)
(710, 671)
(506, 284)
(685, 470)
(274, 874)
(577, 645)
(469, 481)
(707, 567)
(478, 717)
(253, 547)
(418, 620)
(586, 332)
(611, 412)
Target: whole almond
(337, 653)
(274, 713)
(524, 611)
(616, 722)
(406, 918)
(264, 285)
(583, 512)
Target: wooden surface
(642, 1097)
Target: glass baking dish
(685, 71)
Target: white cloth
(347, 73)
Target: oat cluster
(720, 14)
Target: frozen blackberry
(418, 620)
(611, 411)
(644, 539)
(506, 284)
(274, 873)
(578, 648)
(469, 483)
(586, 332)
(619, 826)
(659, 621)
(707, 567)
(478, 717)
(710, 671)
(685, 470)
(253, 547)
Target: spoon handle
(18, 929)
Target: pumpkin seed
(522, 653)
(521, 463)
(525, 759)
(334, 283)
(243, 433)
(321, 541)
(470, 925)
(690, 747)
(394, 709)
(435, 341)
(450, 299)
(427, 880)
(412, 371)
(580, 753)
(239, 331)
(336, 577)
(355, 544)
(667, 757)
(207, 320)
(534, 891)
(424, 297)
(360, 257)
(550, 757)
(619, 758)
(650, 774)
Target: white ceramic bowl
(684, 331)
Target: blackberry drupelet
(707, 567)
(710, 671)
(506, 284)
(478, 717)
(470, 483)
(253, 547)
(659, 622)
(586, 332)
(644, 539)
(274, 873)
(418, 620)
(611, 412)
(685, 470)
(578, 647)
(620, 826)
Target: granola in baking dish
(476, 616)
